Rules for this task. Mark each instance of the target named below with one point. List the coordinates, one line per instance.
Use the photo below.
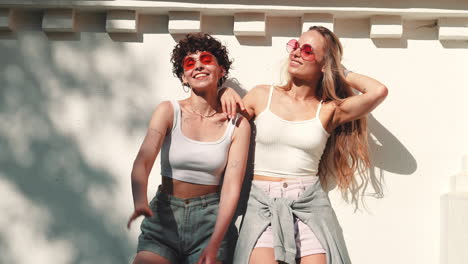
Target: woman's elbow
(382, 92)
(139, 169)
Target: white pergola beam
(121, 21)
(317, 19)
(58, 20)
(386, 27)
(250, 24)
(453, 28)
(6, 19)
(184, 22)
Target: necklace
(203, 116)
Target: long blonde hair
(347, 150)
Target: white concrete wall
(74, 108)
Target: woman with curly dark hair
(201, 148)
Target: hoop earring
(186, 85)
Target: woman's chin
(302, 75)
(294, 73)
(204, 86)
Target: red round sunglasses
(205, 57)
(307, 52)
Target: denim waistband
(188, 202)
(288, 183)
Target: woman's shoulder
(242, 126)
(259, 91)
(241, 121)
(261, 88)
(256, 99)
(165, 106)
(163, 116)
(164, 110)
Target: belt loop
(203, 198)
(302, 184)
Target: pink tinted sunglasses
(205, 57)
(307, 52)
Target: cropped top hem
(276, 174)
(192, 180)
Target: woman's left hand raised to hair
(354, 107)
(229, 100)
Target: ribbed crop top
(194, 161)
(288, 149)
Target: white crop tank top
(194, 161)
(288, 149)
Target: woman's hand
(140, 210)
(208, 255)
(229, 101)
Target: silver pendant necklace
(203, 116)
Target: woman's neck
(204, 104)
(302, 90)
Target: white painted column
(454, 219)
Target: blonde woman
(313, 125)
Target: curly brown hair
(194, 42)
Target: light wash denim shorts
(180, 229)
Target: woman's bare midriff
(184, 190)
(267, 178)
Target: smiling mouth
(296, 62)
(199, 76)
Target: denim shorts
(180, 229)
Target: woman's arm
(372, 94)
(160, 123)
(232, 184)
(230, 99)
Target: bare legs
(147, 257)
(267, 256)
(313, 259)
(262, 255)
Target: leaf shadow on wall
(44, 155)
